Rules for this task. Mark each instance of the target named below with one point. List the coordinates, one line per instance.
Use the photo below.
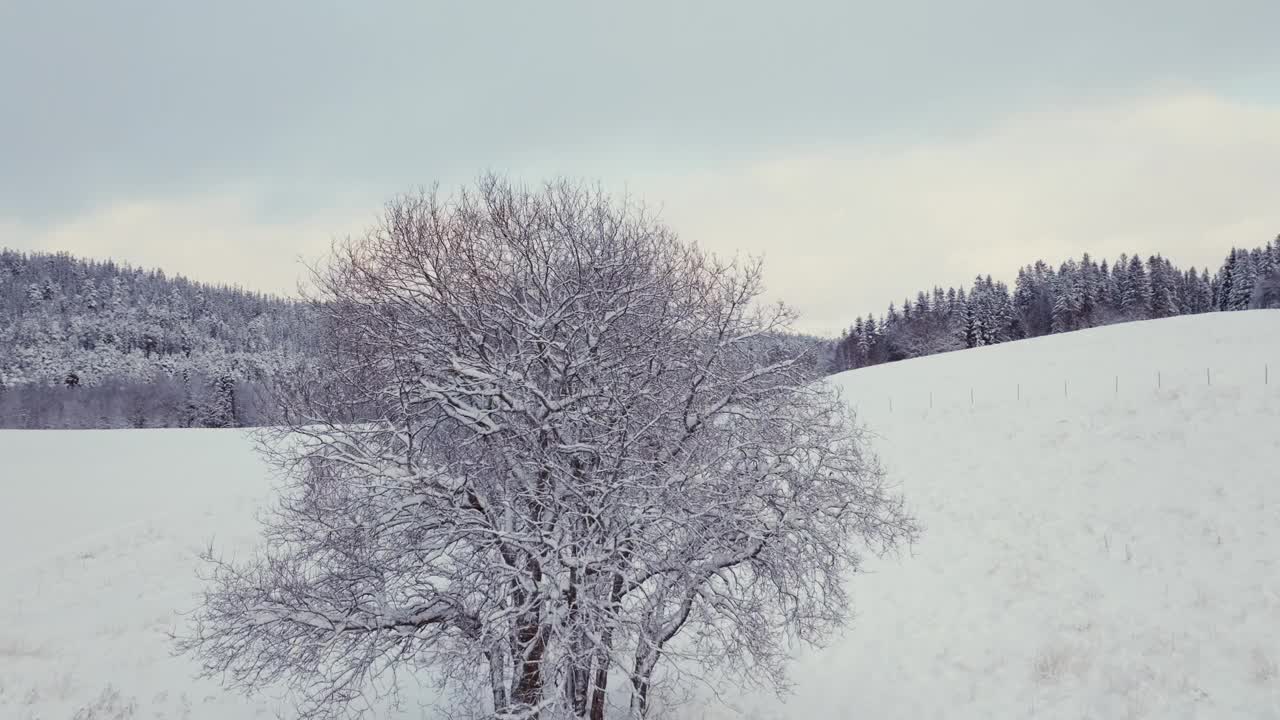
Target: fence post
(1064, 388)
(1117, 385)
(970, 397)
(1266, 374)
(1159, 380)
(930, 400)
(1207, 380)
(1019, 391)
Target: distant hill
(87, 343)
(96, 344)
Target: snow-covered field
(1102, 540)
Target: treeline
(87, 343)
(161, 402)
(1078, 294)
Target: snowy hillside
(1102, 540)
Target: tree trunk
(497, 680)
(531, 644)
(580, 670)
(646, 660)
(600, 679)
(599, 685)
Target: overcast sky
(866, 149)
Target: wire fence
(1120, 385)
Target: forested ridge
(88, 343)
(1077, 294)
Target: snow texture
(1102, 540)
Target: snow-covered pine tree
(222, 410)
(1244, 275)
(1163, 301)
(1007, 326)
(1136, 291)
(1204, 292)
(962, 320)
(1224, 278)
(1092, 291)
(860, 344)
(1107, 310)
(922, 307)
(1024, 301)
(1267, 262)
(1119, 284)
(1266, 292)
(866, 339)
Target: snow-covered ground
(1102, 540)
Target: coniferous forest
(86, 343)
(1077, 294)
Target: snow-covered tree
(1164, 301)
(549, 447)
(1068, 298)
(221, 409)
(922, 306)
(1243, 276)
(1266, 291)
(1135, 290)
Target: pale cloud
(219, 238)
(847, 228)
(844, 228)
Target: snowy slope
(1107, 550)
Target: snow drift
(1102, 539)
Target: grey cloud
(111, 101)
(844, 228)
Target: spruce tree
(1224, 295)
(857, 353)
(1090, 287)
(1244, 275)
(1163, 302)
(1024, 299)
(871, 336)
(222, 410)
(1067, 298)
(922, 306)
(1119, 283)
(1136, 291)
(1107, 307)
(1267, 263)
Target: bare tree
(554, 447)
